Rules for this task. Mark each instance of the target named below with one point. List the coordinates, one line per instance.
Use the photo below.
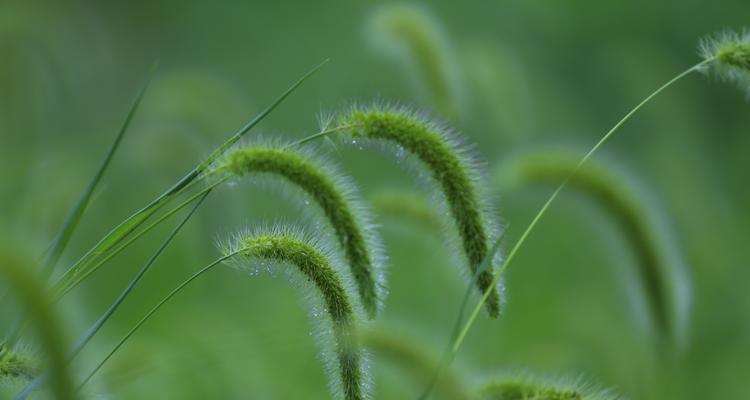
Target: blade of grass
(89, 334)
(71, 222)
(459, 339)
(116, 235)
(59, 292)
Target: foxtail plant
(529, 388)
(660, 269)
(450, 166)
(317, 268)
(728, 54)
(335, 195)
(411, 36)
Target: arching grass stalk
(456, 343)
(454, 171)
(32, 296)
(316, 267)
(83, 266)
(659, 269)
(336, 196)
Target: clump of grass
(315, 264)
(660, 270)
(729, 54)
(410, 35)
(451, 168)
(335, 195)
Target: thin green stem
(324, 133)
(151, 312)
(459, 339)
(543, 210)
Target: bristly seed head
(453, 172)
(337, 198)
(731, 54)
(289, 247)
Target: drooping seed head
(450, 167)
(533, 388)
(338, 199)
(731, 54)
(412, 36)
(317, 269)
(660, 268)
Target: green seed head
(660, 268)
(338, 199)
(448, 165)
(531, 388)
(731, 54)
(412, 37)
(316, 269)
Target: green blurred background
(531, 75)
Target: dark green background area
(70, 69)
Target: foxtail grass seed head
(409, 34)
(451, 167)
(660, 267)
(315, 268)
(528, 387)
(336, 196)
(731, 54)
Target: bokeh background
(528, 75)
